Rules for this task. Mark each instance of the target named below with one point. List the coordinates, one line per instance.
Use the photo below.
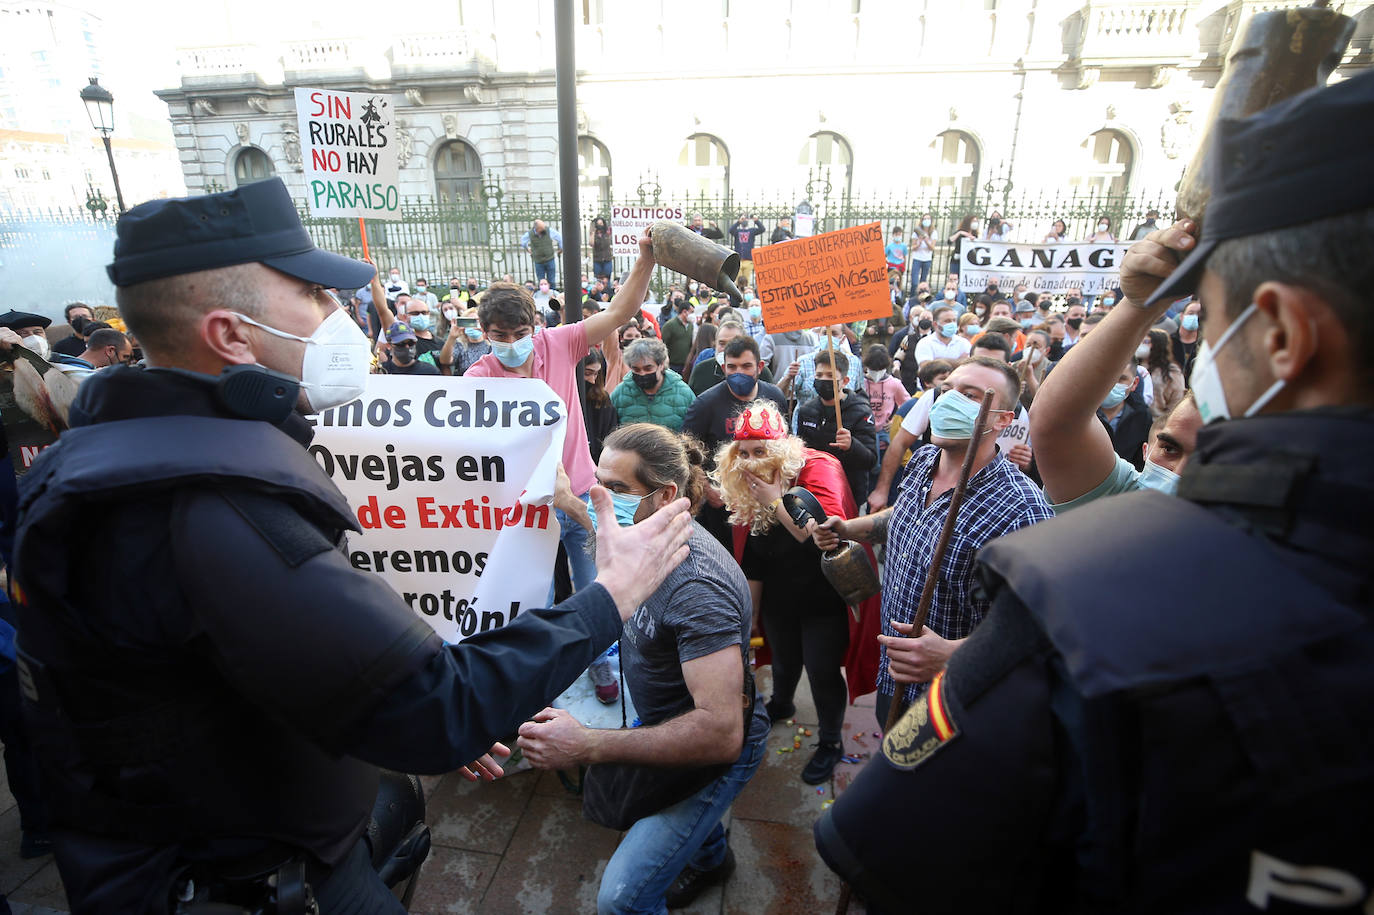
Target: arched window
(705, 166)
(1106, 163)
(955, 160)
(827, 155)
(252, 164)
(457, 173)
(594, 172)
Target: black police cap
(256, 223)
(1276, 169)
(17, 319)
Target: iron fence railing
(479, 238)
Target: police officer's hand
(1150, 260)
(554, 739)
(917, 660)
(486, 768)
(631, 562)
(829, 535)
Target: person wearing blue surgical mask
(1188, 337)
(683, 657)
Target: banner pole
(362, 230)
(838, 382)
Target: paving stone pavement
(519, 846)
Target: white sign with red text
(451, 481)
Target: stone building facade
(744, 98)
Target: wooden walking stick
(895, 712)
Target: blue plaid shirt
(999, 499)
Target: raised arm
(1073, 451)
(628, 299)
(379, 302)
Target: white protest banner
(348, 153)
(450, 479)
(1016, 433)
(1090, 267)
(628, 223)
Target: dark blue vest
(179, 758)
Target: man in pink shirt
(507, 316)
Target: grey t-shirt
(701, 607)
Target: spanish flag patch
(926, 727)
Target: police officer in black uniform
(211, 684)
(1205, 745)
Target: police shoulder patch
(927, 727)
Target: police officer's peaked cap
(17, 319)
(253, 223)
(1281, 167)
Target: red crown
(753, 424)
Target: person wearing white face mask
(31, 329)
(1102, 233)
(240, 612)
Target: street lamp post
(100, 108)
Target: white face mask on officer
(1208, 391)
(337, 361)
(37, 343)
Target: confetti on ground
(791, 722)
(820, 791)
(785, 749)
(878, 734)
(825, 805)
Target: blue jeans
(920, 272)
(602, 268)
(574, 538)
(547, 270)
(658, 847)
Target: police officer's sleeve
(336, 652)
(951, 816)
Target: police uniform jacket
(1195, 744)
(207, 677)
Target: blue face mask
(421, 322)
(473, 333)
(1188, 322)
(1118, 394)
(1027, 323)
(1108, 301)
(950, 329)
(974, 329)
(755, 312)
(513, 355)
(1160, 479)
(625, 508)
(741, 384)
(953, 416)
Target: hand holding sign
(832, 278)
(632, 561)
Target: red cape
(823, 476)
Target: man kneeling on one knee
(685, 654)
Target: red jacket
(823, 476)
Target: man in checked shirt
(999, 499)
